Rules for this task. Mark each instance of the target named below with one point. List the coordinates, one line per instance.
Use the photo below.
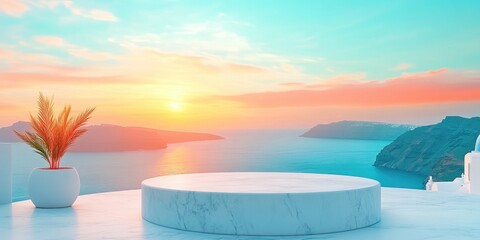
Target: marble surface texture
(5, 174)
(261, 203)
(406, 214)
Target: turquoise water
(241, 151)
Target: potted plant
(54, 186)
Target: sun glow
(175, 106)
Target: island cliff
(358, 130)
(436, 150)
(111, 138)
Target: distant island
(436, 150)
(112, 138)
(358, 130)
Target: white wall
(5, 173)
(474, 171)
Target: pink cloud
(6, 106)
(3, 53)
(349, 78)
(102, 15)
(139, 67)
(96, 14)
(14, 8)
(292, 84)
(51, 4)
(16, 59)
(171, 64)
(438, 86)
(74, 50)
(289, 68)
(402, 66)
(51, 41)
(89, 54)
(26, 80)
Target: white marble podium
(257, 203)
(5, 173)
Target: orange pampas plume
(52, 135)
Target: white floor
(406, 214)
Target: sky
(242, 64)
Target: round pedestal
(255, 203)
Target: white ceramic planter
(54, 188)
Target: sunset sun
(175, 106)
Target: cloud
(89, 54)
(290, 68)
(26, 80)
(194, 38)
(19, 62)
(25, 69)
(74, 50)
(14, 8)
(293, 84)
(49, 3)
(342, 79)
(17, 8)
(179, 67)
(51, 41)
(213, 38)
(136, 67)
(23, 61)
(438, 86)
(402, 66)
(6, 106)
(96, 14)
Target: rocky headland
(436, 150)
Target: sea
(246, 150)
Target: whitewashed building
(469, 182)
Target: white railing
(5, 173)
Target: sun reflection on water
(177, 160)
